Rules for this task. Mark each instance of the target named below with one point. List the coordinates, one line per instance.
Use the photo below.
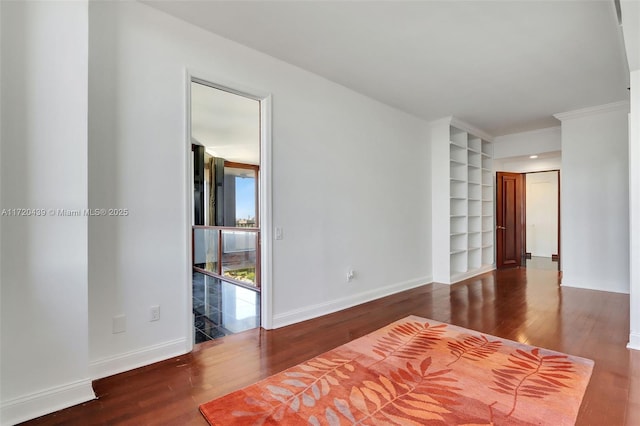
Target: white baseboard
(314, 311)
(120, 363)
(47, 401)
(613, 288)
(634, 341)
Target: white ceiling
(228, 125)
(502, 66)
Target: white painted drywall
(542, 213)
(440, 136)
(44, 322)
(634, 204)
(550, 161)
(351, 182)
(631, 29)
(595, 198)
(511, 152)
(527, 143)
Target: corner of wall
(634, 341)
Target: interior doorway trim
(523, 227)
(265, 187)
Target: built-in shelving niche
(470, 201)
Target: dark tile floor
(221, 308)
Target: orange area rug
(416, 372)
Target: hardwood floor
(519, 304)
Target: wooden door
(509, 219)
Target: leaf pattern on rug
(532, 375)
(409, 340)
(299, 389)
(415, 383)
(474, 348)
(406, 395)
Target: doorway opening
(226, 140)
(542, 218)
(528, 220)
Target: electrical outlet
(351, 274)
(155, 313)
(119, 324)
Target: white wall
(351, 185)
(527, 143)
(595, 198)
(634, 203)
(542, 213)
(44, 340)
(631, 29)
(549, 161)
(511, 152)
(1, 204)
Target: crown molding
(599, 109)
(471, 129)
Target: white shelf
(487, 148)
(458, 207)
(470, 233)
(458, 189)
(458, 225)
(457, 153)
(475, 175)
(487, 178)
(475, 208)
(487, 192)
(458, 171)
(486, 162)
(487, 223)
(458, 137)
(487, 208)
(474, 144)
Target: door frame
(265, 187)
(559, 247)
(524, 216)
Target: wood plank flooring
(525, 305)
